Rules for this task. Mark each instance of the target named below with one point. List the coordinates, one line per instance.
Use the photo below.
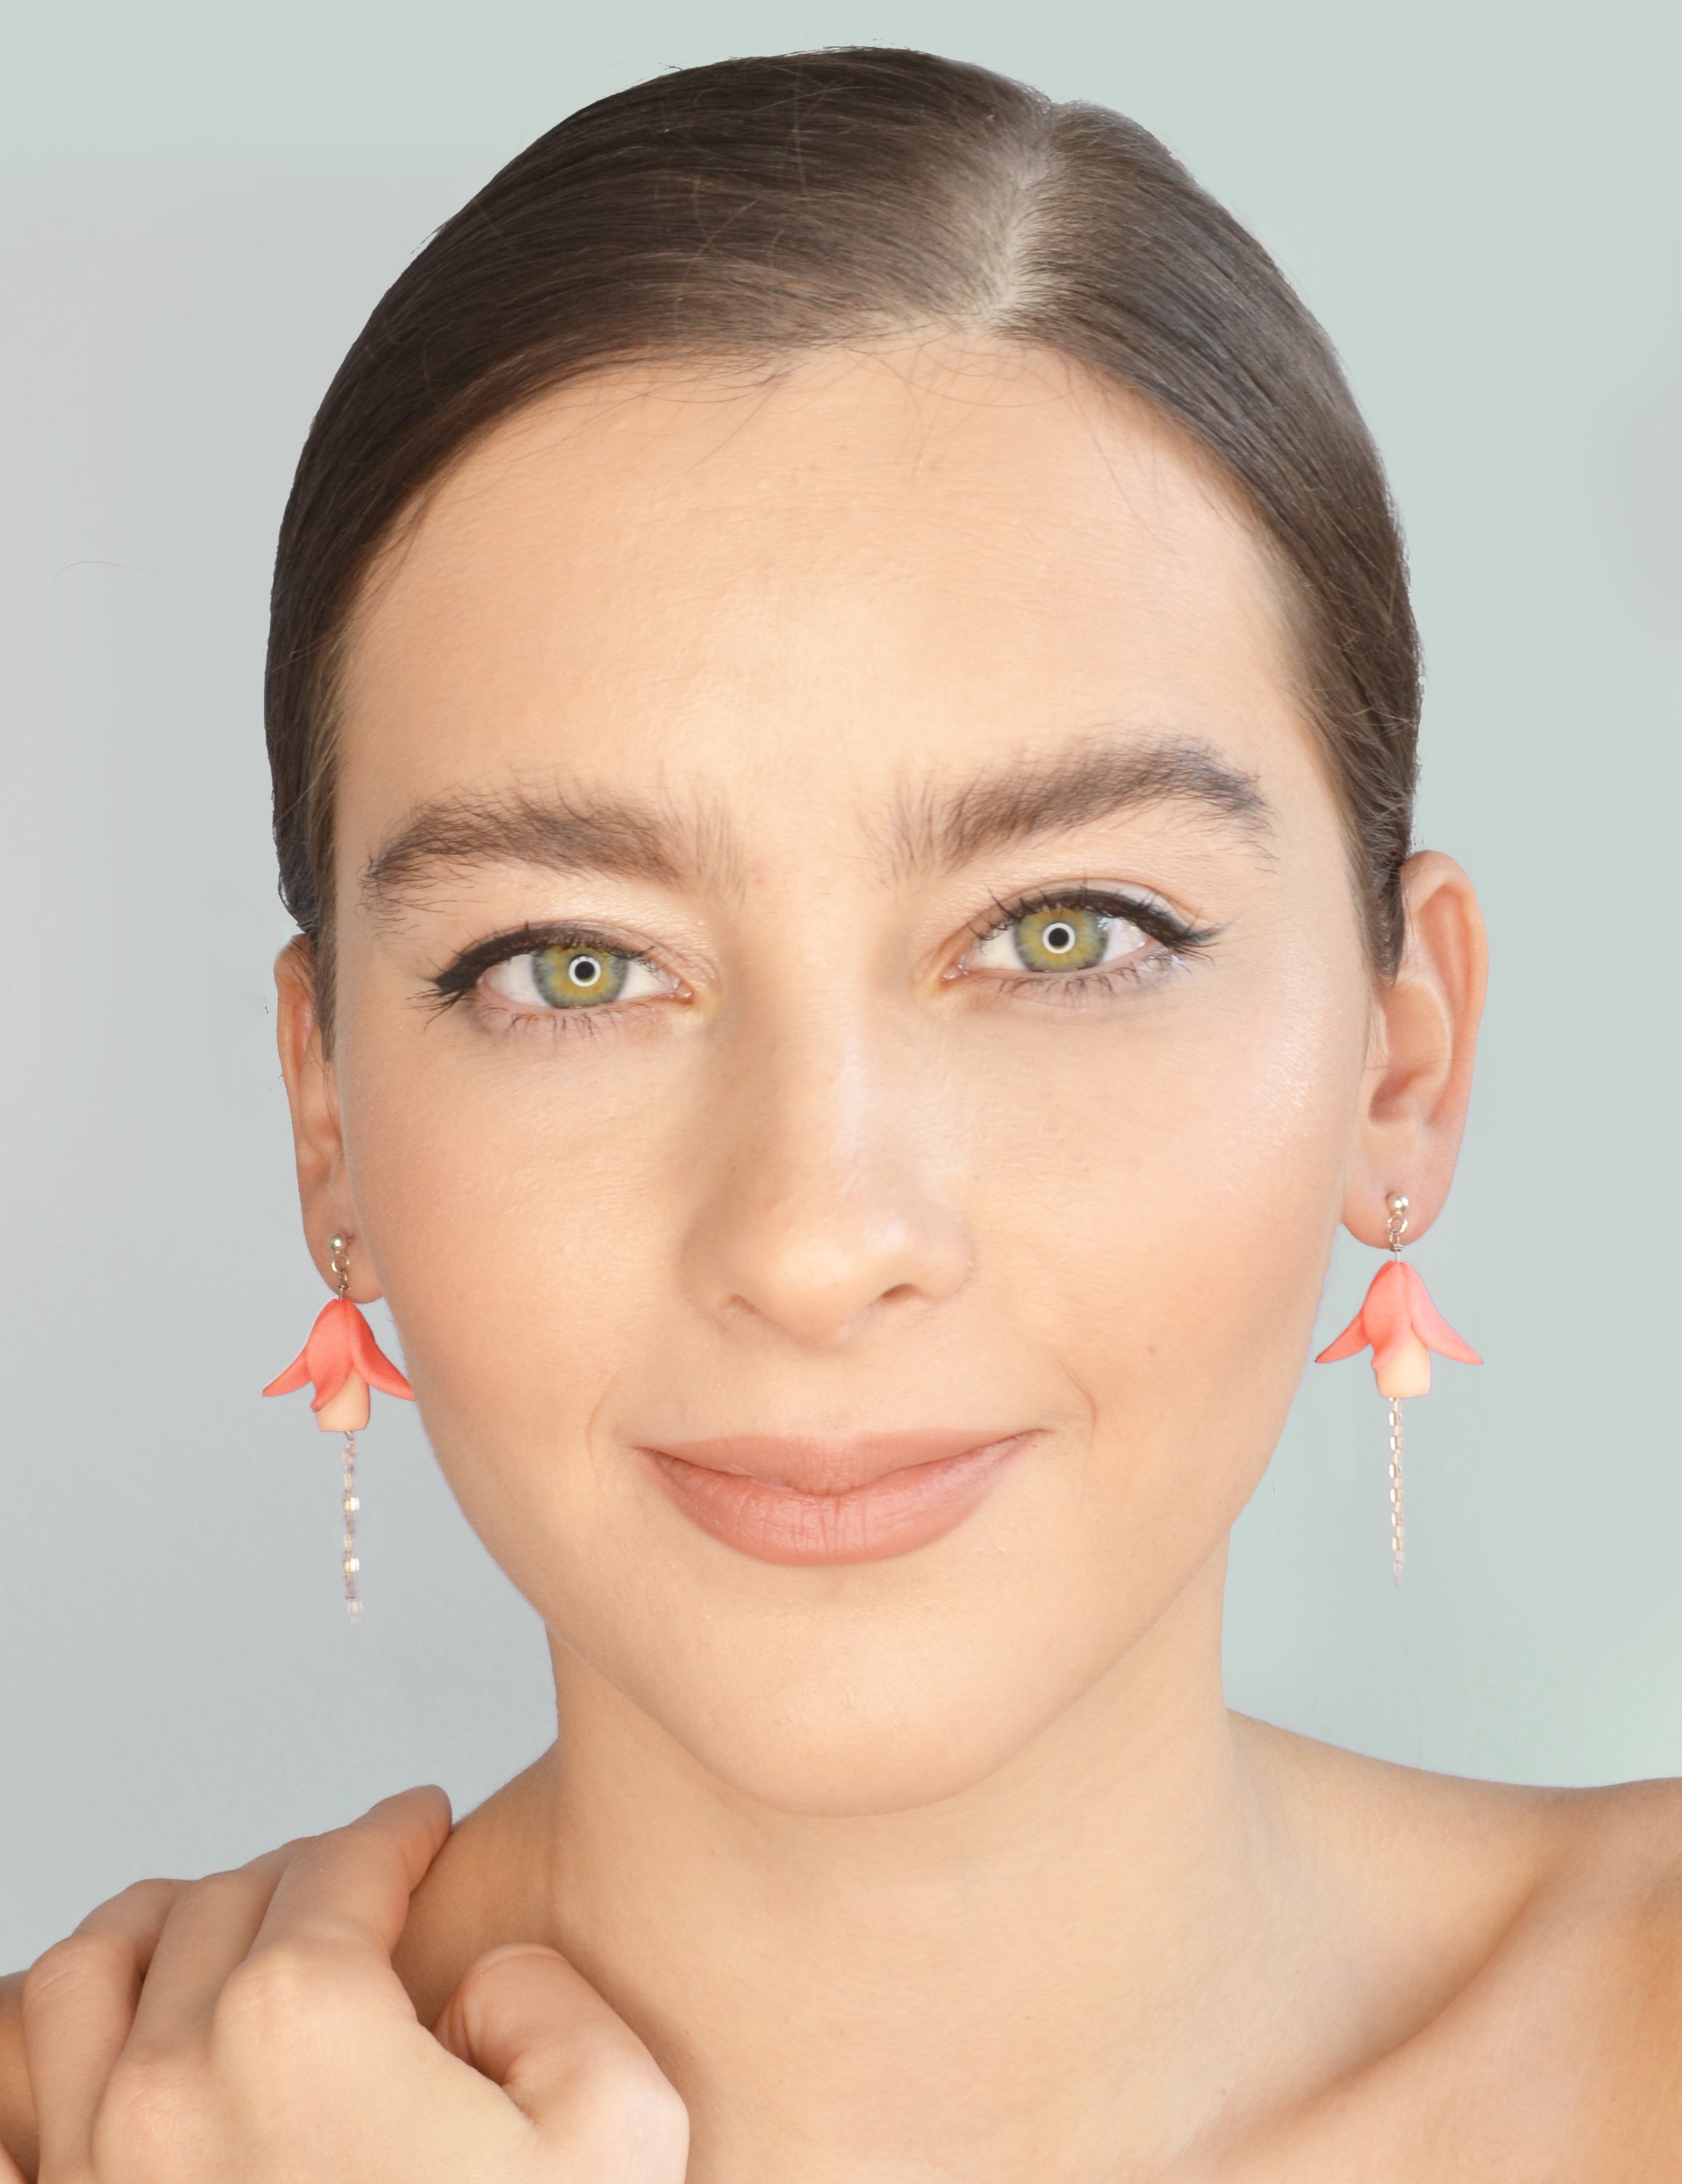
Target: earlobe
(1417, 1085)
(312, 1093)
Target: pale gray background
(201, 203)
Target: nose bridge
(826, 1196)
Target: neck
(1074, 1962)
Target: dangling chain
(1398, 1229)
(1398, 1544)
(351, 1564)
(352, 1605)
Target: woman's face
(851, 1023)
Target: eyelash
(460, 981)
(1177, 939)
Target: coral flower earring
(345, 1362)
(1402, 1327)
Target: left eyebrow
(937, 831)
(571, 830)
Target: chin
(846, 1715)
(863, 1769)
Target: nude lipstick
(859, 1498)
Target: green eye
(1070, 937)
(579, 977)
(1062, 938)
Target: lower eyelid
(1069, 988)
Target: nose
(827, 1205)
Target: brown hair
(756, 208)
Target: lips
(856, 1499)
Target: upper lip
(829, 1463)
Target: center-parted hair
(757, 210)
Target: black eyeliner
(1158, 925)
(458, 978)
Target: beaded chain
(350, 1504)
(1398, 1229)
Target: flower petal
(329, 1348)
(1354, 1337)
(372, 1362)
(294, 1376)
(1430, 1326)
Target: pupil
(583, 970)
(1060, 938)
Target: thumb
(602, 2109)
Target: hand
(248, 2029)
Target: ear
(1418, 1077)
(323, 1188)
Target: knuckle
(149, 1898)
(275, 1997)
(80, 1961)
(102, 1948)
(477, 1986)
(224, 1893)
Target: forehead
(851, 574)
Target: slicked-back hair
(756, 210)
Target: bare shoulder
(1580, 2011)
(1610, 1910)
(1532, 1940)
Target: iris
(1062, 938)
(579, 977)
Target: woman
(842, 703)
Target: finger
(209, 1929)
(79, 2003)
(18, 2149)
(524, 2017)
(346, 1894)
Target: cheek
(1162, 1213)
(523, 1220)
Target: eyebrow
(932, 831)
(455, 835)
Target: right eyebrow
(1087, 782)
(454, 835)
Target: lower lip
(890, 1516)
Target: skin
(951, 1864)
